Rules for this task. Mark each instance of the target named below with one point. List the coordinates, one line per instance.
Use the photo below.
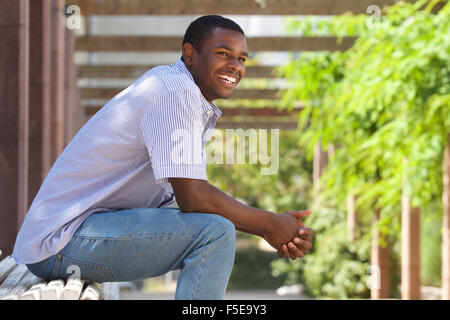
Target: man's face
(219, 66)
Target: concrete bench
(18, 283)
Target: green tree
(385, 104)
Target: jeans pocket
(39, 268)
(66, 267)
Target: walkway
(230, 295)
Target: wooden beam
(379, 263)
(196, 7)
(148, 44)
(446, 222)
(73, 113)
(282, 125)
(257, 112)
(57, 79)
(132, 72)
(39, 134)
(232, 112)
(319, 162)
(410, 284)
(108, 93)
(229, 124)
(14, 84)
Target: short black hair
(201, 29)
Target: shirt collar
(209, 107)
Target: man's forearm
(244, 217)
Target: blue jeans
(126, 245)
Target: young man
(101, 207)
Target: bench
(18, 283)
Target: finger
(308, 238)
(305, 231)
(279, 254)
(295, 252)
(300, 253)
(300, 223)
(291, 253)
(285, 251)
(302, 243)
(300, 214)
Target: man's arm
(200, 196)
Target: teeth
(229, 79)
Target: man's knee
(224, 224)
(223, 229)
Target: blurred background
(357, 90)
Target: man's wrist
(270, 222)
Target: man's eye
(243, 59)
(222, 53)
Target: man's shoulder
(175, 80)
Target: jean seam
(56, 267)
(199, 269)
(42, 267)
(132, 237)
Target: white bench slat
(34, 293)
(92, 292)
(18, 282)
(110, 291)
(73, 289)
(53, 290)
(7, 265)
(13, 280)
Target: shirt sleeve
(172, 132)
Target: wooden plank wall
(14, 63)
(33, 96)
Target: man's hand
(284, 229)
(300, 245)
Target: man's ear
(189, 53)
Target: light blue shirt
(122, 158)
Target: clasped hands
(289, 236)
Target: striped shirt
(122, 158)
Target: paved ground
(230, 295)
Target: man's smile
(228, 81)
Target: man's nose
(234, 64)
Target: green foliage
(384, 104)
(335, 268)
(283, 191)
(286, 190)
(431, 244)
(251, 270)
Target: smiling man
(103, 205)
